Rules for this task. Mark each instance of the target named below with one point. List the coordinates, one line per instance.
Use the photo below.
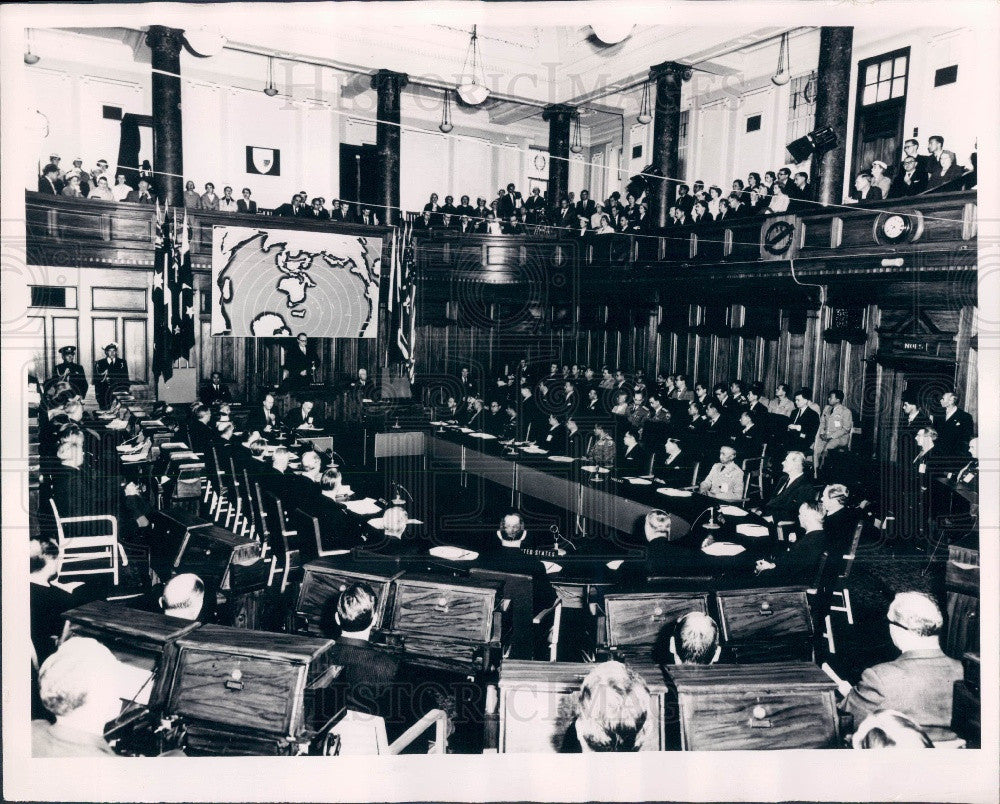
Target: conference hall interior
(483, 388)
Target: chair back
(190, 483)
(274, 516)
(850, 556)
(694, 473)
(307, 528)
(519, 590)
(260, 516)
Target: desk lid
(567, 676)
(132, 624)
(740, 678)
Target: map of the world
(279, 283)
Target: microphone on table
(557, 537)
(711, 524)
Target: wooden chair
(556, 612)
(278, 535)
(753, 470)
(839, 589)
(89, 547)
(306, 525)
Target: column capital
(162, 38)
(559, 110)
(390, 79)
(670, 68)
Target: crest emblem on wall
(263, 161)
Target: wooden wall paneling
(963, 342)
(65, 332)
(135, 348)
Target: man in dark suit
(563, 216)
(70, 371)
(141, 196)
(910, 180)
(749, 440)
(910, 423)
(465, 208)
(503, 551)
(685, 201)
(716, 432)
(201, 435)
(801, 430)
(799, 563)
(919, 683)
(246, 205)
(214, 392)
(634, 459)
(303, 417)
(534, 207)
(955, 427)
(300, 364)
(262, 418)
(49, 182)
(495, 419)
(676, 469)
(922, 162)
(554, 438)
(586, 206)
(793, 489)
(576, 439)
(110, 375)
(369, 672)
(290, 209)
(865, 190)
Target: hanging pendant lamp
(446, 124)
(270, 90)
(784, 74)
(472, 89)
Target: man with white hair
(613, 710)
(183, 597)
(919, 683)
(76, 684)
(695, 639)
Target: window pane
(883, 92)
(869, 96)
(884, 70)
(871, 74)
(898, 86)
(900, 66)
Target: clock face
(894, 227)
(540, 162)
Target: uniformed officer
(110, 375)
(70, 371)
(725, 481)
(835, 425)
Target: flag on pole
(163, 362)
(402, 298)
(182, 291)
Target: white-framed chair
(753, 470)
(102, 547)
(556, 611)
(839, 588)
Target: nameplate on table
(543, 553)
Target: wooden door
(881, 107)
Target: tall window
(682, 145)
(801, 106)
(885, 79)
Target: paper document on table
(363, 507)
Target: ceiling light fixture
(611, 33)
(446, 124)
(644, 115)
(270, 90)
(784, 74)
(29, 57)
(576, 143)
(472, 85)
(205, 42)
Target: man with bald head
(183, 597)
(920, 682)
(695, 639)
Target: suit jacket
(836, 424)
(554, 440)
(49, 187)
(576, 443)
(135, 197)
(784, 503)
(585, 208)
(749, 443)
(917, 184)
(808, 420)
(286, 210)
(369, 675)
(259, 419)
(634, 463)
(201, 438)
(246, 207)
(211, 394)
(906, 445)
(684, 557)
(919, 684)
(294, 418)
(117, 375)
(297, 361)
(677, 473)
(799, 563)
(954, 433)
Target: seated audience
(864, 189)
(102, 192)
(142, 195)
(919, 683)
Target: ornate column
(560, 118)
(668, 77)
(833, 82)
(168, 153)
(389, 85)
